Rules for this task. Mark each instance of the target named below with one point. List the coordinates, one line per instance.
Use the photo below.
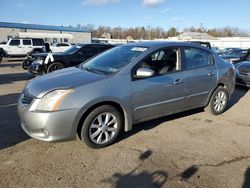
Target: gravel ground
(191, 149)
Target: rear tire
(218, 102)
(1, 58)
(54, 67)
(101, 127)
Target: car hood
(62, 79)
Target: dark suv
(49, 62)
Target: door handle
(211, 74)
(178, 81)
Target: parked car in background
(202, 43)
(20, 47)
(49, 62)
(225, 50)
(216, 49)
(125, 85)
(27, 61)
(234, 56)
(243, 73)
(60, 47)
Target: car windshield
(72, 49)
(113, 60)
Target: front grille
(26, 98)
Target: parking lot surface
(191, 149)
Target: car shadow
(246, 183)
(10, 78)
(11, 132)
(15, 59)
(154, 123)
(141, 179)
(239, 93)
(12, 65)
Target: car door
(14, 47)
(27, 46)
(201, 75)
(162, 94)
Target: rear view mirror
(144, 73)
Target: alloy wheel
(219, 101)
(103, 128)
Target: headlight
(51, 101)
(39, 61)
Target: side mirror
(144, 73)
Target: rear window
(14, 42)
(63, 44)
(38, 42)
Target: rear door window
(26, 42)
(196, 58)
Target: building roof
(42, 27)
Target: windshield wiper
(94, 70)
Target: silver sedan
(121, 87)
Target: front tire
(25, 64)
(54, 67)
(218, 102)
(101, 127)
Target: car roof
(27, 38)
(93, 44)
(151, 44)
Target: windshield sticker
(139, 49)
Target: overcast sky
(129, 13)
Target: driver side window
(162, 61)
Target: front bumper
(48, 126)
(36, 68)
(243, 80)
